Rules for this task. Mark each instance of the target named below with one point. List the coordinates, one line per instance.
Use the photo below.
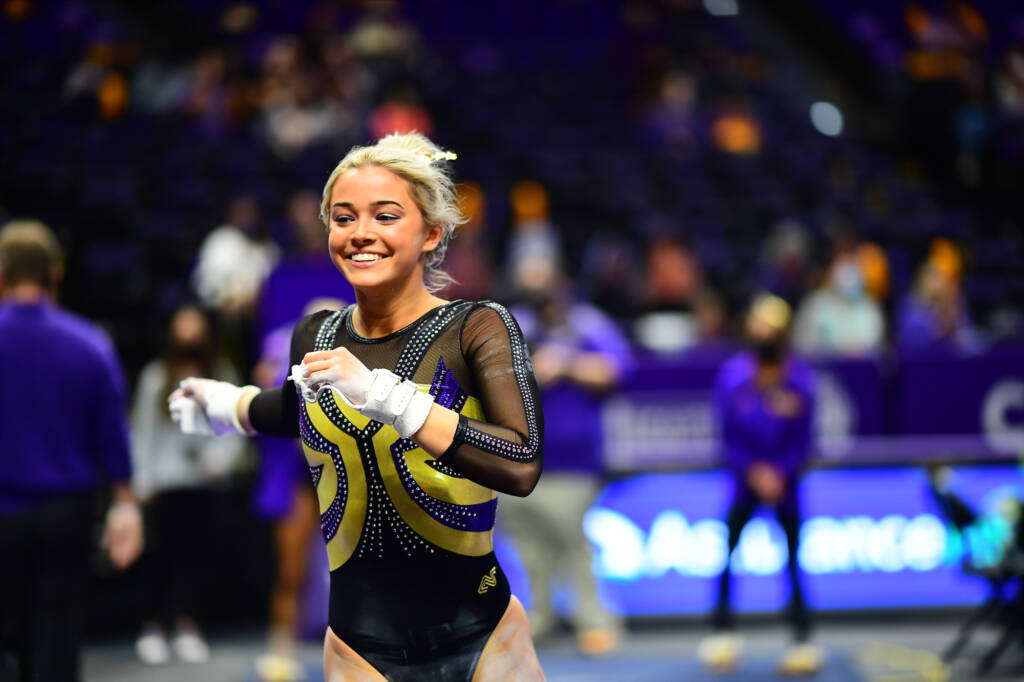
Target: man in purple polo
(62, 432)
(764, 399)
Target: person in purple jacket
(764, 399)
(62, 431)
(579, 356)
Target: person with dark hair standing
(175, 475)
(408, 457)
(764, 399)
(62, 424)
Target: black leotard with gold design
(413, 571)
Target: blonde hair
(29, 251)
(419, 162)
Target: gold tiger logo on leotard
(488, 581)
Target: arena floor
(861, 652)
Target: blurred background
(669, 160)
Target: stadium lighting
(826, 118)
(722, 8)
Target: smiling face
(377, 235)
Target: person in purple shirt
(62, 431)
(764, 399)
(579, 356)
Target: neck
(380, 312)
(26, 292)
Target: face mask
(768, 352)
(188, 351)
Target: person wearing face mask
(579, 357)
(840, 318)
(172, 474)
(764, 399)
(414, 413)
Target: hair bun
(415, 143)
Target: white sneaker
(190, 647)
(276, 668)
(151, 647)
(721, 652)
(802, 659)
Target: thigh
(56, 590)
(788, 514)
(740, 512)
(14, 577)
(509, 655)
(343, 664)
(292, 535)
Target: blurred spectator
(352, 81)
(400, 112)
(612, 275)
(672, 279)
(534, 239)
(874, 266)
(283, 496)
(840, 318)
(62, 431)
(173, 477)
(579, 355)
(206, 98)
(1009, 84)
(764, 400)
(234, 260)
(306, 272)
(384, 40)
(671, 118)
(467, 260)
(784, 261)
(714, 338)
(304, 235)
(933, 316)
(297, 109)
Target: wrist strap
(457, 440)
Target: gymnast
(413, 412)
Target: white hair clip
(442, 156)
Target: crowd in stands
(665, 161)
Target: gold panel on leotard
(343, 544)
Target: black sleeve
(275, 411)
(504, 453)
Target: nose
(362, 232)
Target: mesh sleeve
(275, 411)
(504, 453)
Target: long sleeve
(275, 411)
(796, 446)
(144, 428)
(505, 452)
(735, 453)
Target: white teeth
(363, 257)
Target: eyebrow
(382, 202)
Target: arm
(503, 453)
(734, 453)
(275, 411)
(122, 532)
(210, 407)
(796, 447)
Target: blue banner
(870, 539)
